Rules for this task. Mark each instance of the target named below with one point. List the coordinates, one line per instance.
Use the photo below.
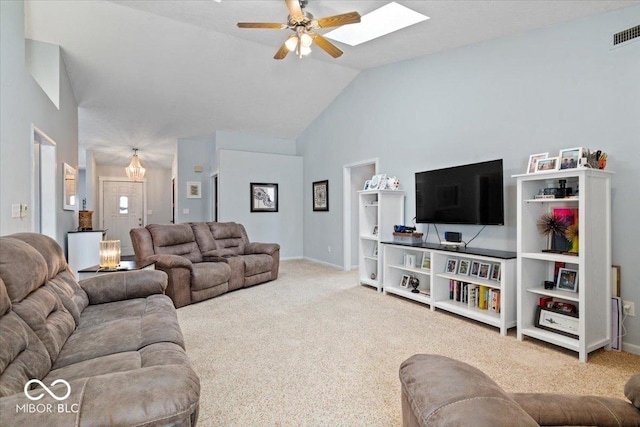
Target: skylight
(387, 19)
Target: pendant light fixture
(135, 169)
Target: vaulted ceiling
(146, 73)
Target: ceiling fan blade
(338, 20)
(282, 52)
(270, 25)
(294, 9)
(326, 45)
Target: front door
(122, 210)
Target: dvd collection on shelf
(475, 296)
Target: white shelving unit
(381, 209)
(593, 261)
(435, 281)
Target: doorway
(122, 204)
(43, 202)
(354, 176)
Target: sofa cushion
(5, 302)
(632, 390)
(229, 235)
(120, 327)
(22, 268)
(22, 355)
(257, 264)
(204, 237)
(209, 274)
(175, 239)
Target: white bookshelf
(435, 281)
(384, 209)
(593, 261)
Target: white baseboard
(631, 348)
(291, 258)
(337, 267)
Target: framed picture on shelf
(561, 323)
(495, 272)
(452, 265)
(404, 282)
(321, 196)
(426, 261)
(367, 185)
(567, 280)
(484, 270)
(475, 266)
(375, 249)
(264, 197)
(570, 158)
(548, 164)
(533, 161)
(464, 266)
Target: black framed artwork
(264, 197)
(321, 196)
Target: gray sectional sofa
(105, 351)
(205, 259)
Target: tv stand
(449, 290)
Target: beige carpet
(314, 348)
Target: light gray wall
(158, 191)
(237, 169)
(193, 152)
(22, 104)
(240, 141)
(543, 90)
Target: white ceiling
(146, 73)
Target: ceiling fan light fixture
(306, 40)
(292, 42)
(135, 170)
(305, 50)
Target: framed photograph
(404, 282)
(548, 164)
(378, 182)
(321, 196)
(484, 270)
(194, 190)
(567, 280)
(570, 158)
(375, 249)
(264, 197)
(426, 261)
(561, 323)
(367, 185)
(475, 267)
(452, 265)
(464, 266)
(375, 230)
(495, 272)
(533, 161)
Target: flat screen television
(467, 194)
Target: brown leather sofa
(105, 351)
(205, 259)
(439, 391)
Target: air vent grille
(626, 35)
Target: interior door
(122, 210)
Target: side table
(85, 273)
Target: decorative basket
(85, 222)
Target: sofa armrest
(166, 261)
(123, 398)
(124, 285)
(440, 391)
(567, 410)
(261, 248)
(217, 255)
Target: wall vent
(626, 35)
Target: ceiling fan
(303, 25)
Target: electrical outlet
(629, 308)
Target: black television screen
(468, 194)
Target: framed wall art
(264, 197)
(321, 196)
(194, 190)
